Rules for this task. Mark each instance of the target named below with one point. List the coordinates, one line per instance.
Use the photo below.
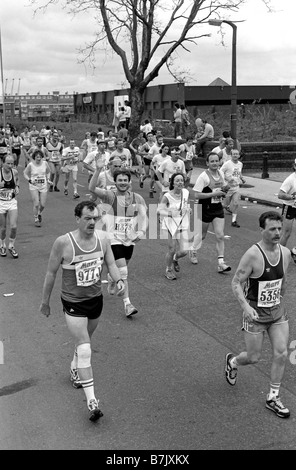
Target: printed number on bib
(39, 180)
(6, 194)
(269, 293)
(216, 199)
(88, 272)
(55, 156)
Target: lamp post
(233, 115)
(2, 82)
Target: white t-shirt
(232, 173)
(168, 168)
(158, 159)
(218, 151)
(92, 157)
(289, 187)
(146, 128)
(189, 149)
(154, 150)
(73, 155)
(178, 115)
(203, 181)
(225, 157)
(125, 157)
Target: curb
(261, 201)
(257, 200)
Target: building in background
(53, 106)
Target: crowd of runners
(115, 218)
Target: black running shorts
(289, 212)
(122, 251)
(91, 308)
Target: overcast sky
(42, 51)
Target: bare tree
(144, 34)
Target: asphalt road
(160, 375)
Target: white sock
(234, 216)
(126, 301)
(74, 360)
(274, 391)
(220, 259)
(88, 388)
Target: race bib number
(6, 194)
(123, 225)
(55, 156)
(216, 199)
(88, 272)
(269, 293)
(189, 156)
(39, 180)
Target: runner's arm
(54, 262)
(243, 272)
(27, 172)
(112, 267)
(285, 196)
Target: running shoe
(170, 275)
(111, 289)
(94, 411)
(40, 218)
(176, 265)
(223, 268)
(235, 224)
(3, 251)
(230, 371)
(50, 188)
(13, 252)
(74, 377)
(275, 405)
(193, 256)
(56, 189)
(76, 196)
(37, 223)
(130, 310)
(151, 195)
(141, 184)
(66, 192)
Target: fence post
(265, 165)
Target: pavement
(256, 189)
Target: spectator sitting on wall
(208, 135)
(199, 127)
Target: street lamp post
(233, 115)
(2, 82)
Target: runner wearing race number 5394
(259, 285)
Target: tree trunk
(137, 106)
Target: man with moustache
(259, 285)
